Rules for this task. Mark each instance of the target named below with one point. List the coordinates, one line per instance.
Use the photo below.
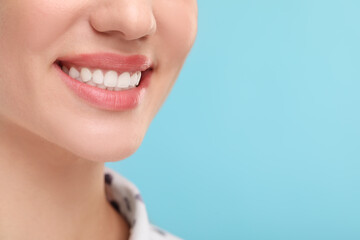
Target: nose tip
(131, 19)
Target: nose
(132, 19)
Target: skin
(52, 145)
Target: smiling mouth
(117, 82)
(103, 78)
(105, 70)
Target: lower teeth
(104, 87)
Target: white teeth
(124, 80)
(91, 83)
(85, 74)
(74, 73)
(110, 79)
(135, 78)
(138, 77)
(98, 77)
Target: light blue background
(259, 138)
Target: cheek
(27, 28)
(177, 27)
(38, 23)
(176, 31)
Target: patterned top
(124, 196)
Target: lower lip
(107, 99)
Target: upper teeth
(111, 80)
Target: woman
(80, 82)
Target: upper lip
(108, 61)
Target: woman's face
(35, 34)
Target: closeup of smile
(111, 80)
(106, 80)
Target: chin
(100, 147)
(107, 153)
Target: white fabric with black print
(125, 197)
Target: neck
(49, 193)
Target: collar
(125, 197)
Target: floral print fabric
(124, 196)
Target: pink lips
(102, 98)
